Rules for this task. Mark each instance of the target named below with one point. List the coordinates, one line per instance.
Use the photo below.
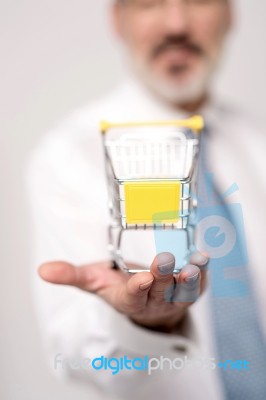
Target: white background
(56, 55)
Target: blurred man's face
(174, 45)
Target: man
(173, 48)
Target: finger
(89, 277)
(59, 272)
(187, 288)
(162, 269)
(201, 260)
(133, 295)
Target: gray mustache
(176, 42)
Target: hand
(156, 299)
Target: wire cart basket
(151, 170)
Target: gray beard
(177, 93)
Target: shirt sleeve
(67, 225)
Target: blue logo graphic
(219, 231)
(213, 237)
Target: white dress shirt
(68, 197)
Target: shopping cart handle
(195, 123)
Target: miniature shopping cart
(151, 175)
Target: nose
(176, 18)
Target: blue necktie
(240, 345)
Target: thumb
(91, 277)
(61, 273)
